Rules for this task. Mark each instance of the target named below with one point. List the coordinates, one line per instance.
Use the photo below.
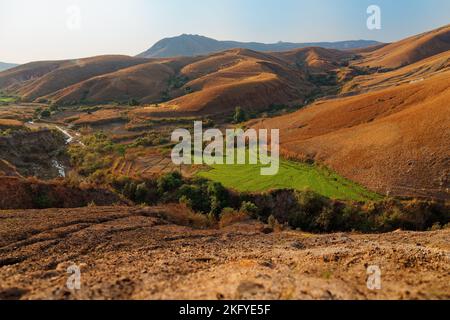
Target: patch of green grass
(292, 175)
(7, 99)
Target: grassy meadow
(292, 175)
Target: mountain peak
(195, 45)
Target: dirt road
(133, 253)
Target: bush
(218, 196)
(249, 208)
(195, 198)
(311, 213)
(169, 182)
(239, 115)
(45, 113)
(133, 102)
(141, 193)
(41, 199)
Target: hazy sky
(49, 29)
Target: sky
(32, 30)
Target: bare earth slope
(410, 50)
(132, 253)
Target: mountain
(5, 66)
(195, 45)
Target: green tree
(170, 182)
(218, 196)
(141, 193)
(133, 102)
(45, 113)
(239, 115)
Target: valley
(86, 175)
(336, 109)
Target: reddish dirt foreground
(133, 253)
(392, 141)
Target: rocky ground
(135, 253)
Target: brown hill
(392, 141)
(144, 82)
(409, 50)
(212, 84)
(13, 78)
(35, 80)
(315, 59)
(220, 82)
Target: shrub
(239, 115)
(45, 113)
(170, 182)
(249, 208)
(141, 193)
(310, 206)
(195, 197)
(436, 227)
(218, 196)
(41, 200)
(133, 102)
(325, 220)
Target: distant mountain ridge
(5, 66)
(195, 45)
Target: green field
(7, 99)
(292, 175)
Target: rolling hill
(38, 79)
(409, 50)
(195, 45)
(213, 84)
